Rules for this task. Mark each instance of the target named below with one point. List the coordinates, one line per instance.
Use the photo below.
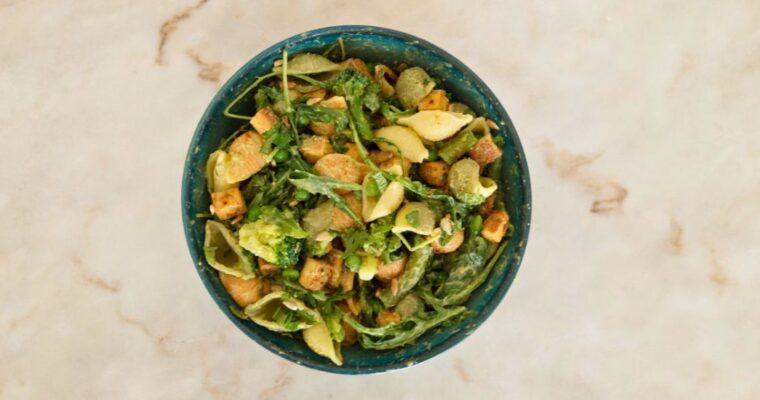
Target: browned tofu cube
(315, 147)
(379, 157)
(495, 226)
(246, 157)
(318, 94)
(394, 164)
(335, 102)
(243, 291)
(340, 167)
(326, 129)
(347, 280)
(435, 100)
(228, 204)
(434, 172)
(314, 274)
(264, 120)
(342, 221)
(335, 258)
(485, 150)
(357, 64)
(266, 267)
(353, 151)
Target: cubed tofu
(495, 226)
(228, 204)
(335, 102)
(326, 129)
(315, 147)
(434, 172)
(314, 274)
(264, 120)
(245, 157)
(357, 64)
(378, 156)
(396, 166)
(243, 291)
(340, 167)
(390, 162)
(347, 280)
(335, 258)
(435, 100)
(352, 150)
(485, 150)
(386, 317)
(319, 94)
(342, 221)
(451, 245)
(266, 267)
(388, 271)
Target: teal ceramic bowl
(390, 47)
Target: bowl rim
(499, 293)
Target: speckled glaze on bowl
(390, 47)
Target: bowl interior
(389, 47)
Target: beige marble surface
(641, 123)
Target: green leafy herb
(315, 184)
(395, 335)
(413, 271)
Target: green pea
(476, 224)
(290, 274)
(281, 155)
(371, 188)
(353, 262)
(302, 195)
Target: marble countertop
(641, 123)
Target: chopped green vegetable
(274, 237)
(457, 146)
(415, 268)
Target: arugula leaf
(325, 185)
(396, 335)
(393, 113)
(353, 239)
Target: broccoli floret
(275, 237)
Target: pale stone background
(649, 108)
